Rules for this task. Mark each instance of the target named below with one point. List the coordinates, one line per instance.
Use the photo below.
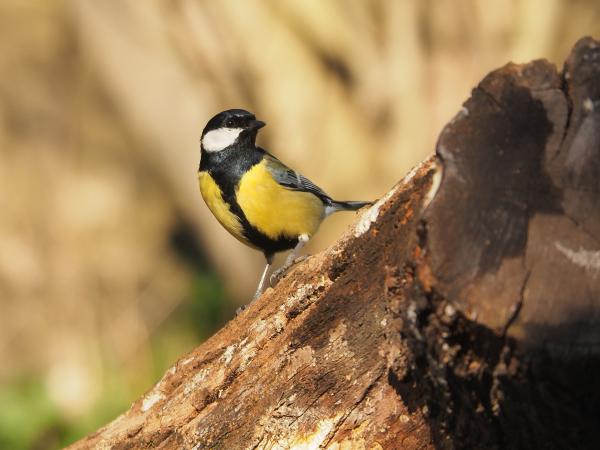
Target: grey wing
(293, 180)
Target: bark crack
(516, 308)
(343, 419)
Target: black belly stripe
(227, 168)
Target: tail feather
(345, 206)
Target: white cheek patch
(219, 139)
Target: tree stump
(462, 310)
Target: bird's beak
(256, 124)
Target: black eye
(230, 123)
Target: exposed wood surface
(460, 311)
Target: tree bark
(462, 310)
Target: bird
(258, 199)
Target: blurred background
(111, 267)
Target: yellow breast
(214, 200)
(275, 210)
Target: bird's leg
(261, 284)
(290, 260)
(263, 278)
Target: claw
(278, 274)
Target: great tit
(258, 199)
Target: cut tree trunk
(462, 310)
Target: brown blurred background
(110, 264)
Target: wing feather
(293, 180)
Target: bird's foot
(257, 295)
(278, 274)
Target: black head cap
(233, 118)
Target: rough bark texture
(460, 311)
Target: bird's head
(229, 128)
